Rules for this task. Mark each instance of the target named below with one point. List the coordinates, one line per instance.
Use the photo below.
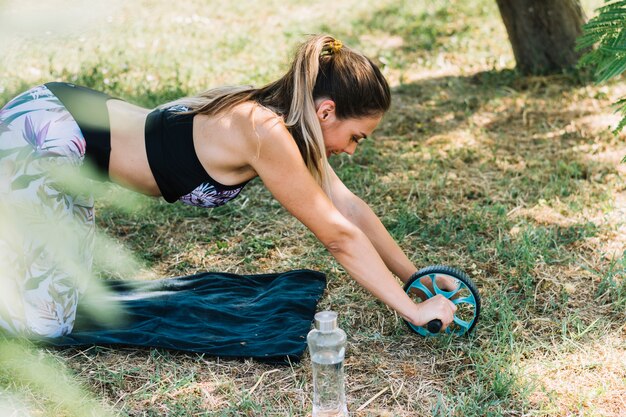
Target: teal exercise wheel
(453, 284)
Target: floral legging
(46, 226)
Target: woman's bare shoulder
(258, 120)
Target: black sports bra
(174, 163)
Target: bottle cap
(326, 321)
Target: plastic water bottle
(327, 347)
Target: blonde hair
(322, 68)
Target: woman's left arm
(362, 216)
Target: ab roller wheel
(453, 284)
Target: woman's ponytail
(302, 114)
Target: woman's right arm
(277, 161)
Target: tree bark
(543, 33)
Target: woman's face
(343, 135)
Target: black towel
(265, 317)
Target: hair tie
(332, 47)
(335, 46)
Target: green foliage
(607, 31)
(41, 381)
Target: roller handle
(434, 326)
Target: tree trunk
(543, 33)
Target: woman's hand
(437, 307)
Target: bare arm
(361, 215)
(282, 170)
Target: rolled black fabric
(265, 317)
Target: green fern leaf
(607, 32)
(613, 68)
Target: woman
(202, 151)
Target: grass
(514, 179)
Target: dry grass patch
(581, 377)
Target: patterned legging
(46, 226)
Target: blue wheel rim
(461, 326)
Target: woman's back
(128, 165)
(223, 144)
